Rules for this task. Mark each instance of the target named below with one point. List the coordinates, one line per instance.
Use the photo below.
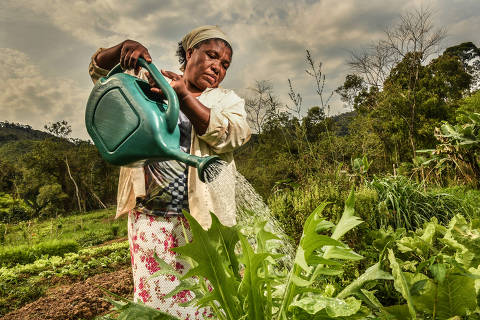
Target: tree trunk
(95, 196)
(76, 186)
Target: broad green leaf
(262, 235)
(323, 226)
(428, 232)
(131, 310)
(314, 241)
(397, 312)
(343, 308)
(251, 285)
(318, 270)
(213, 252)
(314, 219)
(372, 273)
(348, 221)
(439, 271)
(370, 296)
(413, 244)
(165, 268)
(342, 253)
(476, 271)
(316, 259)
(142, 312)
(456, 296)
(334, 307)
(300, 260)
(400, 283)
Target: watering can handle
(173, 108)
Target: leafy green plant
(459, 145)
(435, 269)
(24, 254)
(24, 283)
(405, 204)
(360, 167)
(267, 290)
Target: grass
(404, 203)
(86, 229)
(39, 251)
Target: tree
(60, 129)
(261, 105)
(414, 33)
(51, 198)
(351, 90)
(469, 55)
(403, 114)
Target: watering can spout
(205, 165)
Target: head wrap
(202, 33)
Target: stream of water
(232, 191)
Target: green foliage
(50, 198)
(86, 229)
(460, 145)
(124, 309)
(24, 283)
(267, 290)
(406, 204)
(291, 204)
(360, 167)
(46, 171)
(13, 210)
(24, 254)
(435, 269)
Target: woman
(212, 121)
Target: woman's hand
(130, 52)
(195, 111)
(177, 84)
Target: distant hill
(342, 121)
(10, 131)
(17, 139)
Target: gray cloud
(48, 43)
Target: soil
(80, 300)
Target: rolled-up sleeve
(228, 128)
(94, 70)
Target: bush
(292, 205)
(92, 238)
(12, 209)
(24, 254)
(406, 204)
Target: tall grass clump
(23, 254)
(404, 203)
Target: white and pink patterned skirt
(148, 234)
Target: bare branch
(414, 33)
(262, 104)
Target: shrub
(24, 254)
(406, 204)
(92, 238)
(12, 209)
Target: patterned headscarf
(199, 34)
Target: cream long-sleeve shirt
(227, 130)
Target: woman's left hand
(177, 84)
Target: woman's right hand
(130, 52)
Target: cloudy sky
(46, 45)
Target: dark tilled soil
(81, 300)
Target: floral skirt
(147, 235)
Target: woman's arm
(196, 112)
(126, 52)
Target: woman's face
(207, 65)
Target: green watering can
(128, 123)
